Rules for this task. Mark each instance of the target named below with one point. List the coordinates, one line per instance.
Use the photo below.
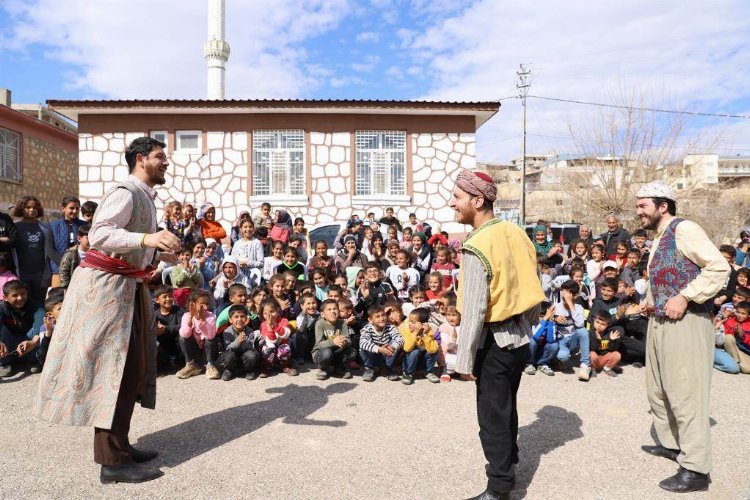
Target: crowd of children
(383, 304)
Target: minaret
(215, 49)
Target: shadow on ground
(187, 440)
(552, 429)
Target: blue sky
(671, 54)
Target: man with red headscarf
(499, 293)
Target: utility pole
(523, 85)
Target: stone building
(321, 159)
(36, 157)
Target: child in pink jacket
(198, 337)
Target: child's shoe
(369, 375)
(407, 379)
(584, 372)
(292, 372)
(609, 372)
(227, 376)
(529, 370)
(189, 370)
(265, 373)
(432, 378)
(445, 377)
(322, 374)
(546, 370)
(212, 373)
(392, 376)
(251, 375)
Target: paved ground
(299, 438)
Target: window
(160, 135)
(279, 162)
(189, 141)
(10, 155)
(380, 167)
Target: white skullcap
(656, 189)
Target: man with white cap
(499, 293)
(685, 271)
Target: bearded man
(102, 356)
(685, 271)
(499, 293)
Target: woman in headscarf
(421, 254)
(349, 255)
(210, 228)
(541, 244)
(282, 227)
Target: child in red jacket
(275, 346)
(737, 336)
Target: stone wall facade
(49, 173)
(220, 175)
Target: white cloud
(583, 50)
(145, 49)
(368, 37)
(367, 64)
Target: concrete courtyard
(287, 438)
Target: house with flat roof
(319, 159)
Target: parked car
(327, 231)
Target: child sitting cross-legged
(198, 337)
(419, 346)
(737, 336)
(604, 342)
(333, 346)
(379, 344)
(275, 331)
(237, 294)
(543, 344)
(168, 318)
(240, 353)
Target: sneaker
(35, 368)
(529, 370)
(6, 371)
(189, 370)
(322, 375)
(445, 377)
(346, 375)
(636, 364)
(392, 376)
(369, 375)
(432, 378)
(265, 374)
(546, 370)
(292, 372)
(617, 369)
(251, 375)
(609, 372)
(407, 379)
(227, 376)
(212, 373)
(584, 372)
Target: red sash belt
(97, 260)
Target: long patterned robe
(83, 371)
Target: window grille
(380, 162)
(278, 162)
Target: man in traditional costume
(102, 355)
(685, 271)
(499, 294)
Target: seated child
(631, 271)
(320, 279)
(277, 290)
(52, 308)
(305, 335)
(379, 344)
(333, 346)
(604, 342)
(374, 291)
(275, 347)
(73, 256)
(444, 266)
(264, 218)
(292, 264)
(419, 346)
(434, 286)
(737, 336)
(335, 292)
(229, 275)
(198, 337)
(241, 342)
(393, 313)
(545, 336)
(401, 276)
(416, 297)
(20, 321)
(355, 324)
(185, 276)
(168, 318)
(237, 296)
(271, 262)
(449, 342)
(571, 330)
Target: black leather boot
(141, 456)
(127, 473)
(660, 451)
(686, 481)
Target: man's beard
(653, 222)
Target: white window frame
(375, 168)
(273, 166)
(153, 133)
(178, 138)
(11, 155)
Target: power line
(654, 110)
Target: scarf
(283, 220)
